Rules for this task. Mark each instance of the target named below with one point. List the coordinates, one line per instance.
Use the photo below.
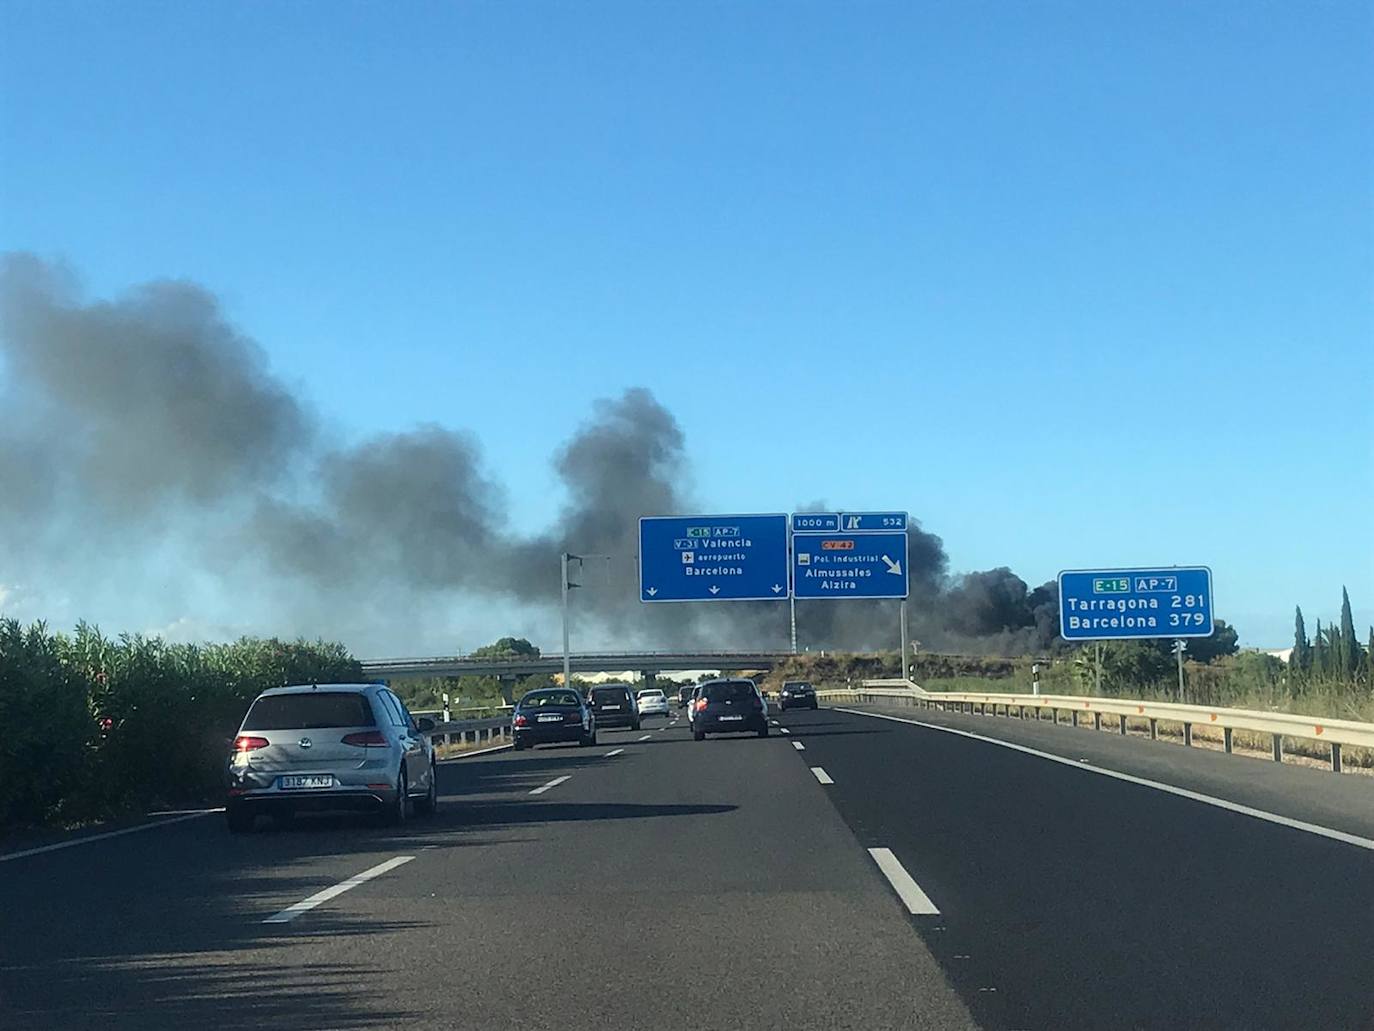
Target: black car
(798, 694)
(729, 707)
(614, 706)
(684, 695)
(552, 715)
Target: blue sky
(1076, 284)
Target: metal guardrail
(1334, 732)
(489, 729)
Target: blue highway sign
(713, 558)
(1108, 604)
(863, 522)
(815, 522)
(859, 565)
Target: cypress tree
(1300, 661)
(1319, 662)
(1350, 644)
(1369, 657)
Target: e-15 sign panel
(1114, 604)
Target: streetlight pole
(567, 657)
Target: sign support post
(901, 666)
(1178, 650)
(792, 607)
(1097, 668)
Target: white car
(652, 702)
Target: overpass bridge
(648, 663)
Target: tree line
(1333, 652)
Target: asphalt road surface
(881, 875)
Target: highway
(884, 874)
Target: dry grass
(1297, 751)
(444, 751)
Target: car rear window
(539, 701)
(650, 694)
(305, 711)
(609, 694)
(730, 691)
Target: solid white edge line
(551, 784)
(917, 902)
(7, 856)
(799, 746)
(821, 775)
(646, 737)
(616, 752)
(476, 751)
(291, 912)
(1196, 796)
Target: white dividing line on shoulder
(617, 751)
(291, 912)
(783, 730)
(1196, 796)
(799, 746)
(551, 784)
(645, 737)
(917, 902)
(476, 751)
(775, 723)
(821, 775)
(90, 838)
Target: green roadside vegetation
(96, 728)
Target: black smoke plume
(148, 445)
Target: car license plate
(309, 780)
(726, 719)
(611, 708)
(551, 718)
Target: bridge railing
(1336, 733)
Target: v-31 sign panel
(1115, 604)
(713, 558)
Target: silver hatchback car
(324, 747)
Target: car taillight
(362, 740)
(246, 743)
(522, 720)
(700, 704)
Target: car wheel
(396, 813)
(634, 725)
(520, 746)
(698, 735)
(239, 818)
(814, 706)
(430, 803)
(763, 730)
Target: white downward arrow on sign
(651, 591)
(715, 590)
(777, 588)
(895, 568)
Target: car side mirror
(425, 725)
